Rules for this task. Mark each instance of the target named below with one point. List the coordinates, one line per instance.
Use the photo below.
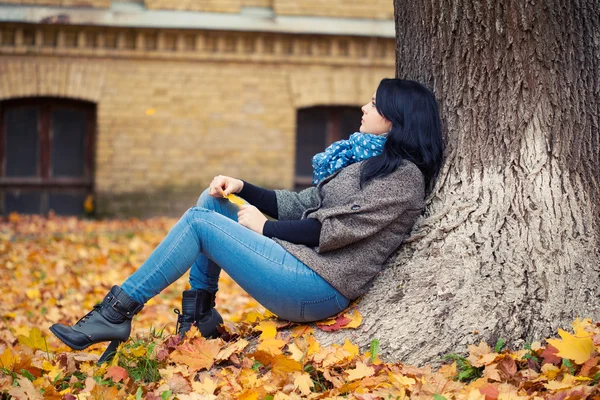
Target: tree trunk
(509, 246)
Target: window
(46, 155)
(317, 128)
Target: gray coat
(360, 228)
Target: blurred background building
(141, 103)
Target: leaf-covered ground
(55, 269)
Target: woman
(326, 246)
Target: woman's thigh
(264, 269)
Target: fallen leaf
(362, 370)
(34, 339)
(197, 354)
(355, 319)
(7, 359)
(339, 323)
(304, 383)
(576, 348)
(116, 373)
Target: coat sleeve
(370, 210)
(291, 205)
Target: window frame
(333, 133)
(43, 180)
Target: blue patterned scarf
(358, 147)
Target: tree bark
(509, 245)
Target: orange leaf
(116, 373)
(490, 391)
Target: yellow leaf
(33, 294)
(34, 339)
(328, 322)
(356, 319)
(198, 353)
(150, 111)
(567, 382)
(580, 325)
(228, 351)
(268, 329)
(362, 370)
(88, 204)
(401, 381)
(576, 348)
(7, 360)
(304, 383)
(235, 199)
(207, 387)
(271, 346)
(550, 371)
(47, 365)
(350, 348)
(284, 365)
(297, 354)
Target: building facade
(141, 103)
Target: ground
(55, 269)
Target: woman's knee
(205, 199)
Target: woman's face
(373, 122)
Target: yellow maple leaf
(268, 329)
(207, 387)
(33, 294)
(271, 346)
(573, 347)
(567, 382)
(362, 370)
(34, 339)
(401, 381)
(579, 327)
(284, 365)
(356, 319)
(7, 359)
(198, 353)
(304, 383)
(228, 351)
(350, 348)
(238, 201)
(297, 354)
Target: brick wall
(65, 3)
(375, 9)
(171, 118)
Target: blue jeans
(208, 238)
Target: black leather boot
(109, 320)
(198, 309)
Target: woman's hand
(250, 217)
(221, 186)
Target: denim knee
(205, 199)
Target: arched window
(46, 155)
(317, 128)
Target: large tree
(509, 246)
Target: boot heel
(110, 352)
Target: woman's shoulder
(407, 171)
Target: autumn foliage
(56, 269)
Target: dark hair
(416, 131)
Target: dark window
(46, 155)
(317, 128)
